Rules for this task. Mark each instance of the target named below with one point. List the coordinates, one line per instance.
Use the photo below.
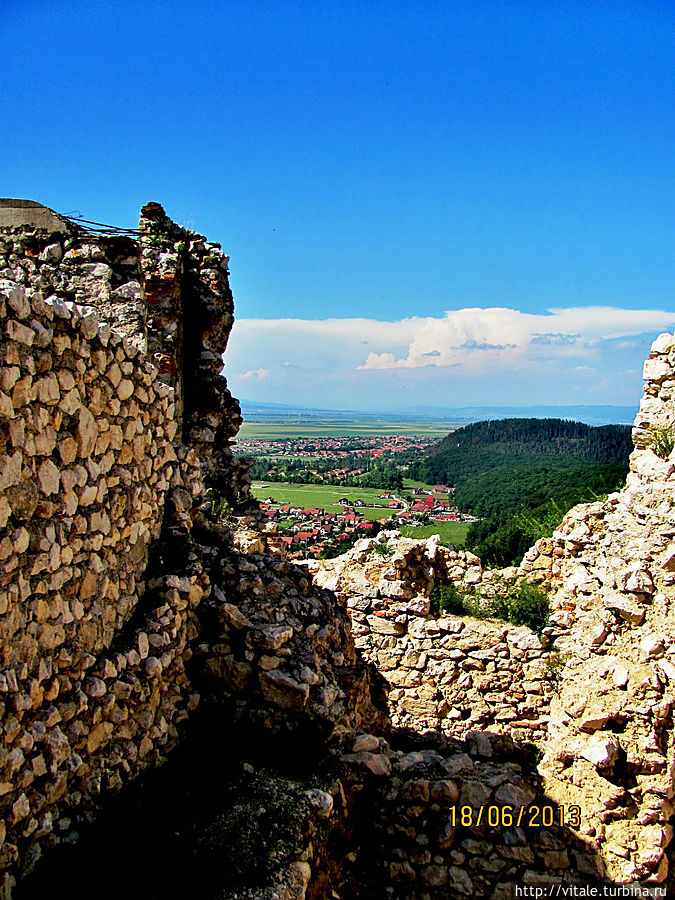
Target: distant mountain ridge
(520, 476)
(589, 414)
(606, 443)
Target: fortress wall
(100, 477)
(92, 681)
(604, 688)
(445, 672)
(115, 438)
(610, 744)
(469, 819)
(45, 252)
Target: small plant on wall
(523, 603)
(555, 663)
(663, 441)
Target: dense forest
(521, 475)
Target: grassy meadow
(273, 431)
(311, 496)
(450, 532)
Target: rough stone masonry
(597, 691)
(124, 607)
(94, 478)
(115, 435)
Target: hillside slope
(521, 475)
(471, 457)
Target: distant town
(316, 531)
(334, 447)
(320, 494)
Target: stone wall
(598, 692)
(43, 251)
(166, 290)
(460, 819)
(277, 657)
(610, 742)
(99, 486)
(93, 678)
(115, 446)
(444, 672)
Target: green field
(450, 532)
(311, 496)
(288, 429)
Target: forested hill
(528, 437)
(500, 469)
(503, 466)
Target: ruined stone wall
(123, 605)
(163, 287)
(278, 655)
(45, 252)
(610, 742)
(600, 691)
(445, 672)
(114, 445)
(190, 312)
(460, 819)
(92, 680)
(98, 481)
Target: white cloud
(467, 353)
(259, 374)
(480, 338)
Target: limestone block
(10, 470)
(125, 389)
(272, 637)
(668, 559)
(86, 432)
(652, 646)
(23, 392)
(284, 691)
(22, 334)
(601, 751)
(6, 407)
(65, 379)
(626, 607)
(71, 402)
(656, 369)
(9, 375)
(48, 477)
(650, 466)
(381, 625)
(667, 668)
(376, 763)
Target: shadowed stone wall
(99, 475)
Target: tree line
(521, 476)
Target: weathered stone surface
(85, 476)
(375, 763)
(451, 699)
(48, 477)
(283, 690)
(626, 607)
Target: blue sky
(448, 203)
